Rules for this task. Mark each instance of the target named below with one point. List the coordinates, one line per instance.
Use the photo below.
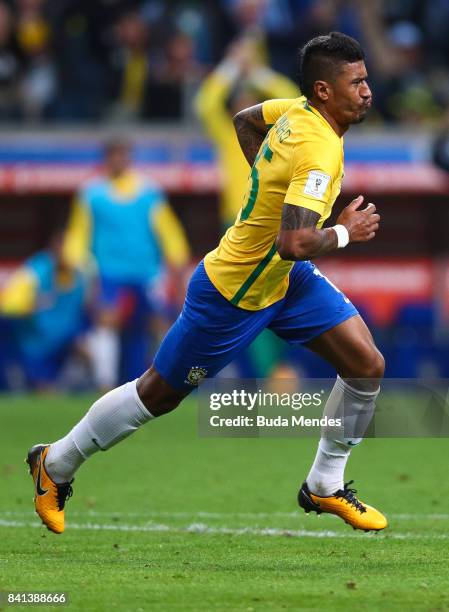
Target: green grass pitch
(170, 521)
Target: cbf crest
(196, 375)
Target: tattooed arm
(252, 124)
(251, 130)
(299, 239)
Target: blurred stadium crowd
(110, 60)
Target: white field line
(217, 515)
(201, 528)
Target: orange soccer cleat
(344, 504)
(49, 497)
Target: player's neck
(340, 130)
(116, 175)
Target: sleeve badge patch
(317, 183)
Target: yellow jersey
(300, 162)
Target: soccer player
(125, 223)
(260, 276)
(45, 297)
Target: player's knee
(378, 365)
(371, 363)
(156, 394)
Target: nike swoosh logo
(39, 490)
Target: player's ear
(321, 90)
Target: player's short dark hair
(320, 59)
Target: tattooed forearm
(299, 239)
(326, 240)
(251, 130)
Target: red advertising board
(206, 178)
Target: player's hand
(363, 224)
(245, 53)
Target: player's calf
(156, 394)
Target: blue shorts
(210, 331)
(133, 301)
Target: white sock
(356, 409)
(327, 472)
(112, 418)
(104, 349)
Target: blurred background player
(125, 223)
(45, 300)
(242, 79)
